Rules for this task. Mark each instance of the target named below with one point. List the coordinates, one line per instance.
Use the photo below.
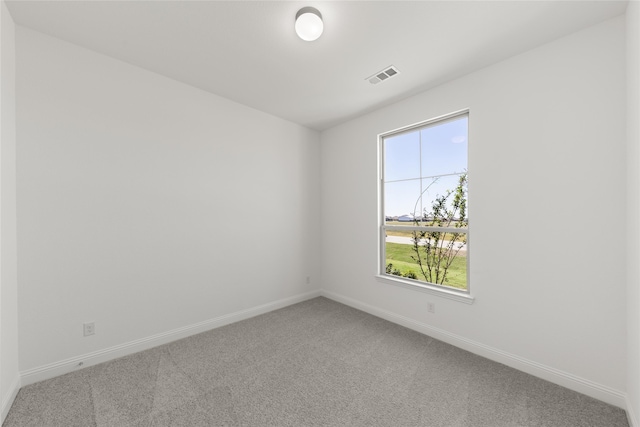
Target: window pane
(402, 157)
(444, 148)
(443, 261)
(400, 200)
(440, 205)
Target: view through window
(424, 232)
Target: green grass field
(400, 256)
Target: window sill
(433, 290)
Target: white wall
(547, 196)
(9, 377)
(146, 205)
(633, 210)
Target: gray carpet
(314, 363)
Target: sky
(427, 162)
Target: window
(424, 211)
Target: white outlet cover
(89, 329)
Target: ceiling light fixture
(309, 24)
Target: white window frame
(430, 288)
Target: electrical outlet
(431, 307)
(308, 279)
(89, 329)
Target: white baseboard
(565, 379)
(7, 400)
(62, 367)
(631, 416)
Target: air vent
(380, 76)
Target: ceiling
(247, 51)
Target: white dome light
(309, 24)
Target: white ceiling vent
(383, 75)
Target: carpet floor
(316, 363)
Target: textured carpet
(314, 363)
